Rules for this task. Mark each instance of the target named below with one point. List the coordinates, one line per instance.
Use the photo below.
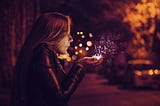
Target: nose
(70, 38)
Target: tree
(141, 17)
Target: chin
(64, 52)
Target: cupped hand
(94, 60)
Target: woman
(39, 77)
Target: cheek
(64, 42)
(62, 45)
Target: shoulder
(42, 49)
(43, 53)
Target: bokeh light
(75, 47)
(87, 48)
(83, 36)
(89, 43)
(80, 45)
(80, 51)
(90, 35)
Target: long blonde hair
(50, 28)
(57, 27)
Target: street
(95, 91)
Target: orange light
(156, 72)
(89, 43)
(76, 53)
(138, 73)
(64, 56)
(90, 35)
(68, 59)
(75, 47)
(150, 72)
(80, 51)
(141, 15)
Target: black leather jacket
(47, 83)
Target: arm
(53, 89)
(45, 71)
(72, 80)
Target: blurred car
(141, 73)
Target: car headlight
(150, 72)
(156, 71)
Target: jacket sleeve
(44, 67)
(51, 86)
(72, 80)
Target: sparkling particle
(107, 45)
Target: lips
(68, 46)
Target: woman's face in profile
(64, 43)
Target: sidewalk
(91, 91)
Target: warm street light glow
(138, 73)
(150, 72)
